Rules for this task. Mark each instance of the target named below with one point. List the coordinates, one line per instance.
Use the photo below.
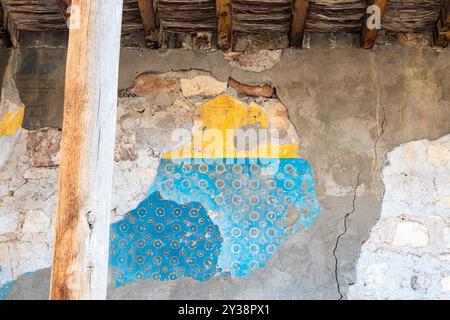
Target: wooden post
(369, 35)
(298, 23)
(80, 257)
(442, 29)
(148, 18)
(224, 24)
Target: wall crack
(347, 215)
(381, 123)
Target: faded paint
(163, 240)
(12, 122)
(6, 288)
(215, 126)
(256, 202)
(407, 253)
(374, 102)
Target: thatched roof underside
(187, 15)
(261, 16)
(411, 15)
(249, 16)
(44, 15)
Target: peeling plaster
(405, 254)
(348, 116)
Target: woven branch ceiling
(249, 16)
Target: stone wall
(348, 108)
(407, 253)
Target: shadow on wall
(4, 59)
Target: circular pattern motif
(165, 250)
(250, 203)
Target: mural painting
(221, 204)
(5, 289)
(11, 122)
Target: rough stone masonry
(374, 125)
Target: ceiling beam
(442, 30)
(224, 24)
(298, 22)
(372, 22)
(63, 5)
(148, 20)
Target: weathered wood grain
(369, 35)
(80, 259)
(442, 30)
(148, 18)
(249, 16)
(63, 5)
(253, 91)
(224, 24)
(262, 16)
(187, 15)
(299, 12)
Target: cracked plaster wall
(408, 251)
(349, 106)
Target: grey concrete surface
(350, 107)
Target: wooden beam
(148, 19)
(63, 5)
(369, 29)
(224, 24)
(253, 91)
(298, 22)
(80, 257)
(442, 30)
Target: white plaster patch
(445, 283)
(412, 235)
(445, 202)
(31, 201)
(255, 61)
(202, 85)
(446, 237)
(439, 155)
(29, 175)
(35, 222)
(8, 223)
(9, 102)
